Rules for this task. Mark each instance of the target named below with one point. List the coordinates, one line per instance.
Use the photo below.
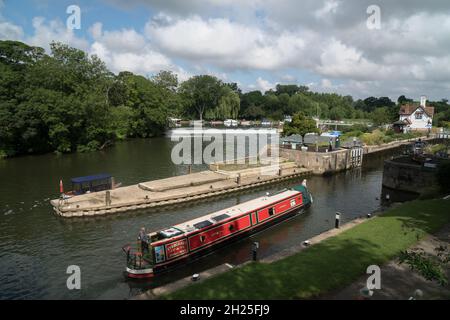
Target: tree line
(69, 101)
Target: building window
(419, 115)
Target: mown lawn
(329, 265)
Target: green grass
(331, 264)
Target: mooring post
(190, 169)
(108, 198)
(255, 248)
(238, 179)
(338, 220)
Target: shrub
(376, 137)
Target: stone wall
(408, 177)
(319, 162)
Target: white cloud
(340, 60)
(225, 43)
(262, 85)
(10, 31)
(329, 7)
(96, 30)
(326, 83)
(128, 50)
(54, 30)
(325, 39)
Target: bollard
(108, 198)
(190, 169)
(338, 220)
(280, 172)
(255, 250)
(238, 179)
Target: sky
(342, 46)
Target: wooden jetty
(174, 191)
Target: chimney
(423, 101)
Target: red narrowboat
(165, 249)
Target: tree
(381, 116)
(252, 100)
(201, 93)
(403, 100)
(301, 125)
(167, 80)
(229, 104)
(149, 103)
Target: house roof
(92, 178)
(408, 109)
(295, 138)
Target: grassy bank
(331, 264)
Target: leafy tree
(403, 100)
(380, 116)
(167, 80)
(289, 89)
(201, 93)
(229, 104)
(301, 125)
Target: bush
(374, 138)
(356, 128)
(435, 148)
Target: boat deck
(234, 211)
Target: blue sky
(325, 44)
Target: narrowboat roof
(216, 217)
(96, 177)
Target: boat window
(271, 211)
(220, 217)
(203, 224)
(160, 255)
(231, 227)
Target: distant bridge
(341, 123)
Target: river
(36, 247)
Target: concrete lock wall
(321, 163)
(408, 177)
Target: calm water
(36, 247)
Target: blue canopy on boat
(96, 177)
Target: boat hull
(157, 270)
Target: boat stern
(139, 273)
(138, 266)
